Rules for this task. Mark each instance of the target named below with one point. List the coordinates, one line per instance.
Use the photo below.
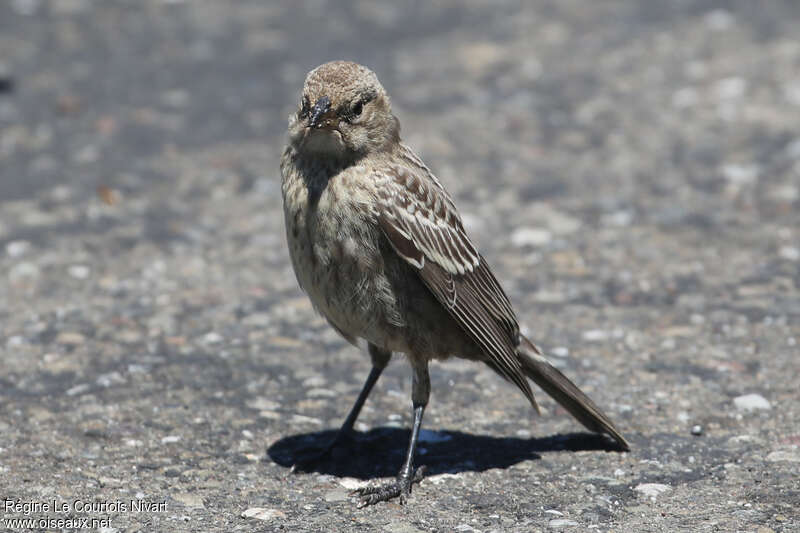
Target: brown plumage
(379, 247)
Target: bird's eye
(357, 109)
(305, 107)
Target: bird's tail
(565, 392)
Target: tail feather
(565, 392)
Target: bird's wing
(421, 222)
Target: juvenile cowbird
(379, 247)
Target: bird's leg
(380, 358)
(401, 486)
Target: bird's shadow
(379, 452)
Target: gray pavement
(630, 169)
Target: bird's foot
(400, 487)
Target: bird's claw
(399, 488)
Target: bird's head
(344, 112)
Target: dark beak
(322, 106)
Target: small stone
(790, 253)
(77, 389)
(740, 174)
(560, 351)
(109, 482)
(70, 338)
(257, 320)
(438, 479)
(188, 499)
(170, 439)
(336, 495)
(595, 335)
(79, 271)
(751, 402)
(321, 393)
(352, 483)
(262, 513)
(23, 271)
(697, 430)
(303, 419)
(17, 248)
(212, 337)
(15, 341)
(731, 88)
(784, 456)
(109, 379)
(533, 237)
(315, 381)
(652, 490)
(560, 523)
(719, 19)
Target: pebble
(321, 393)
(169, 439)
(77, 389)
(438, 479)
(697, 430)
(559, 523)
(595, 335)
(652, 490)
(751, 402)
(109, 379)
(719, 19)
(740, 174)
(79, 271)
(17, 248)
(790, 253)
(336, 495)
(302, 419)
(212, 337)
(315, 381)
(70, 338)
(731, 88)
(262, 513)
(351, 483)
(787, 456)
(193, 501)
(23, 271)
(531, 237)
(261, 403)
(560, 351)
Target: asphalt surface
(631, 170)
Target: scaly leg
(401, 486)
(380, 358)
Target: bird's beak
(321, 114)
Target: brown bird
(378, 245)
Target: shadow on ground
(379, 452)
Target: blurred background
(631, 169)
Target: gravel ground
(155, 345)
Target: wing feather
(423, 226)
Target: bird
(377, 244)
